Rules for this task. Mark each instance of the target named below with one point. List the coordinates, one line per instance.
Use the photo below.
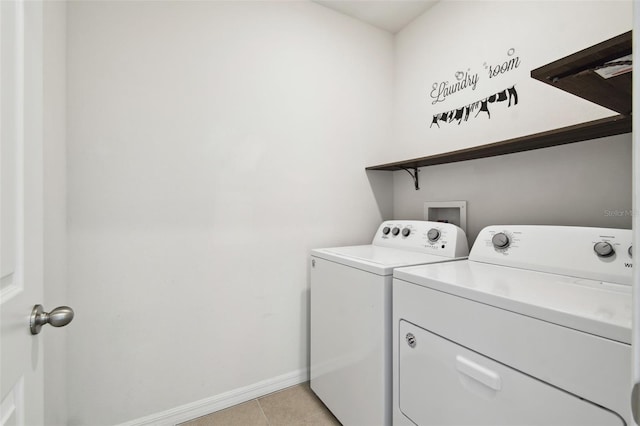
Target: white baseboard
(224, 400)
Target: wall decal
(464, 80)
(463, 113)
(506, 66)
(440, 91)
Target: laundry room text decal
(440, 91)
(510, 63)
(467, 81)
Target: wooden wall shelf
(574, 74)
(609, 126)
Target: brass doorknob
(59, 317)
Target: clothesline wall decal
(463, 113)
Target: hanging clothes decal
(482, 106)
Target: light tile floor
(293, 406)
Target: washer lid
(376, 259)
(595, 307)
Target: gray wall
(210, 146)
(581, 184)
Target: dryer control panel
(443, 239)
(602, 254)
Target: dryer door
(444, 383)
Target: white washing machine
(351, 314)
(533, 329)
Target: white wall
(210, 146)
(568, 185)
(55, 215)
(464, 35)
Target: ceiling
(389, 15)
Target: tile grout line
(262, 411)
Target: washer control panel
(444, 239)
(603, 254)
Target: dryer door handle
(635, 402)
(479, 373)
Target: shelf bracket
(414, 176)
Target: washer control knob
(500, 240)
(603, 249)
(433, 235)
(406, 232)
(630, 251)
(386, 230)
(395, 230)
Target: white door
(21, 248)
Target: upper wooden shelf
(574, 74)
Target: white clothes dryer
(533, 329)
(351, 314)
